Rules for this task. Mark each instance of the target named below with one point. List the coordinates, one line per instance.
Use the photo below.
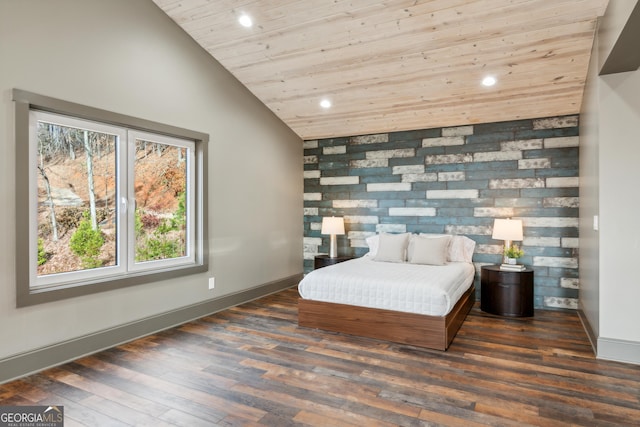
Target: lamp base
(333, 246)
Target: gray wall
(128, 57)
(609, 165)
(589, 303)
(456, 180)
(611, 27)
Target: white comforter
(413, 288)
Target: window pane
(76, 176)
(160, 185)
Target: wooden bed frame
(434, 332)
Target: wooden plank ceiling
(389, 65)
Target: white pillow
(433, 236)
(372, 242)
(429, 250)
(460, 248)
(425, 236)
(392, 247)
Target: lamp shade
(507, 229)
(332, 225)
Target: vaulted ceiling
(389, 65)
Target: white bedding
(422, 289)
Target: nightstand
(506, 293)
(324, 260)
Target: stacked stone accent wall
(455, 180)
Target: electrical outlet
(212, 282)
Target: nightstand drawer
(506, 293)
(506, 277)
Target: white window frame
(133, 265)
(33, 289)
(86, 275)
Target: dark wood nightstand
(506, 293)
(324, 260)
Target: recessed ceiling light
(245, 20)
(489, 81)
(325, 103)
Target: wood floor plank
(126, 379)
(252, 365)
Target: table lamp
(333, 226)
(507, 230)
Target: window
(103, 200)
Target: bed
(411, 289)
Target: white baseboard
(619, 350)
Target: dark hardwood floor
(252, 365)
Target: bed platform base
(435, 332)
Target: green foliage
(179, 219)
(513, 252)
(87, 242)
(165, 242)
(158, 246)
(138, 225)
(42, 254)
